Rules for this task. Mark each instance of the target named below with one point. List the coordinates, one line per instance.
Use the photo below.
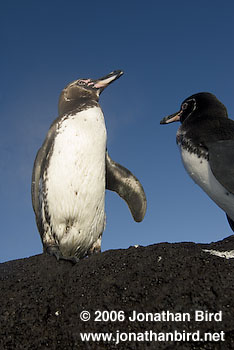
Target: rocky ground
(42, 299)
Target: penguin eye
(81, 82)
(184, 106)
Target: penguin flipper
(39, 165)
(221, 160)
(128, 187)
(231, 222)
(35, 180)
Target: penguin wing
(221, 159)
(39, 165)
(128, 187)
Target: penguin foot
(96, 247)
(53, 250)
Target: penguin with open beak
(71, 171)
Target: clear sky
(168, 50)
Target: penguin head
(82, 91)
(202, 104)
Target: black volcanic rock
(41, 299)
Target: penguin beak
(171, 118)
(102, 83)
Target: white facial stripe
(194, 106)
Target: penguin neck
(186, 142)
(77, 105)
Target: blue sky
(168, 50)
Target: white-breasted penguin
(71, 171)
(206, 141)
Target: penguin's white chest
(199, 170)
(75, 181)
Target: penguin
(71, 171)
(206, 142)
